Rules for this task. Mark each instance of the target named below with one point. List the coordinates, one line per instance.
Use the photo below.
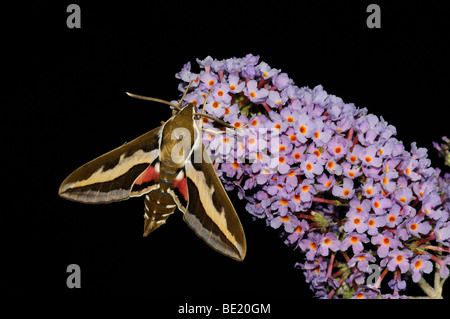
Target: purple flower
(442, 233)
(333, 167)
(361, 261)
(385, 242)
(380, 204)
(307, 190)
(356, 221)
(283, 205)
(338, 146)
(416, 225)
(275, 100)
(356, 241)
(419, 265)
(276, 125)
(374, 222)
(254, 94)
(328, 241)
(289, 222)
(397, 284)
(387, 181)
(351, 171)
(393, 217)
(403, 196)
(321, 134)
(281, 81)
(299, 231)
(366, 293)
(304, 127)
(310, 244)
(236, 86)
(266, 71)
(368, 156)
(208, 79)
(220, 93)
(324, 182)
(346, 191)
(310, 167)
(359, 207)
(400, 259)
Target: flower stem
(324, 200)
(378, 282)
(305, 216)
(330, 265)
(266, 107)
(433, 236)
(437, 248)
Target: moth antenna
(217, 132)
(179, 103)
(218, 121)
(147, 98)
(204, 103)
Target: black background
(65, 104)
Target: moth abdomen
(157, 209)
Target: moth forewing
(210, 213)
(111, 177)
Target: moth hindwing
(163, 165)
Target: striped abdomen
(160, 203)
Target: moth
(171, 168)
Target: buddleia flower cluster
(367, 214)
